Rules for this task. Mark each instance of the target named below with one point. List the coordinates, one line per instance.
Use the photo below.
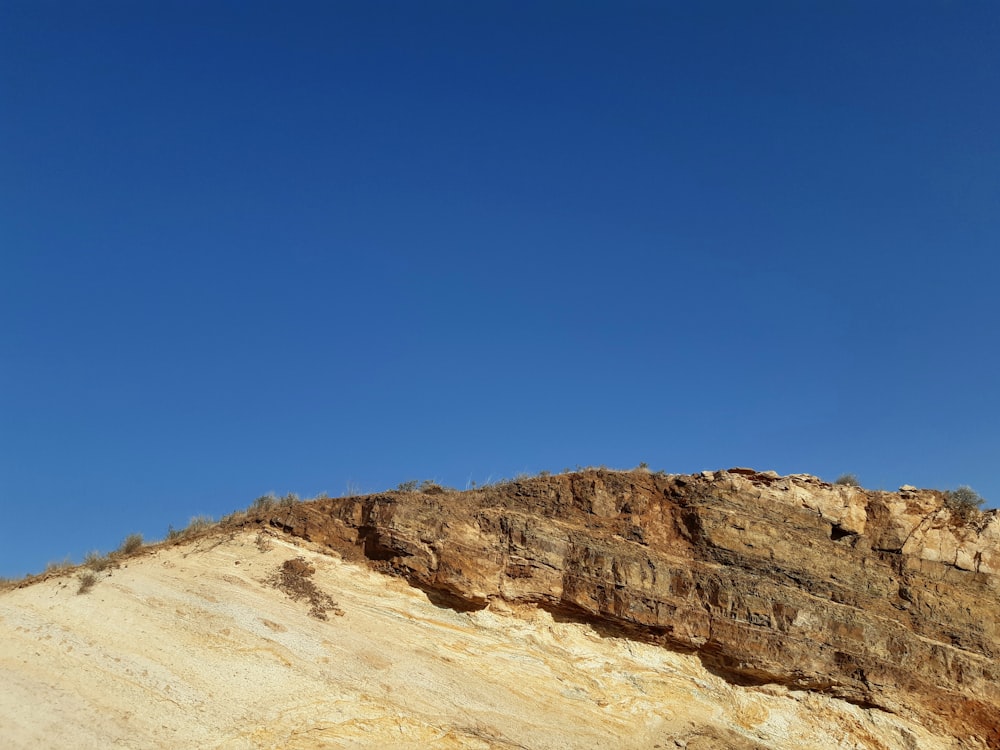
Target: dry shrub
(58, 566)
(430, 487)
(263, 541)
(130, 544)
(199, 523)
(264, 503)
(87, 580)
(293, 577)
(196, 525)
(233, 519)
(96, 561)
(965, 502)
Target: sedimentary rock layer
(209, 643)
(887, 600)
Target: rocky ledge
(886, 600)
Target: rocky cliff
(885, 600)
(729, 610)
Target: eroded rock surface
(885, 600)
(204, 644)
(729, 610)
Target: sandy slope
(190, 646)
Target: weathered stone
(193, 645)
(882, 599)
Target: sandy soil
(194, 646)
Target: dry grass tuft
(199, 523)
(264, 503)
(235, 518)
(96, 561)
(130, 544)
(263, 541)
(59, 566)
(196, 525)
(87, 580)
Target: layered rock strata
(886, 600)
(207, 643)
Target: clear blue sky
(306, 246)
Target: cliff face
(886, 600)
(732, 610)
(251, 639)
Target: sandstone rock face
(884, 600)
(200, 645)
(730, 610)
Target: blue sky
(308, 247)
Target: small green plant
(130, 544)
(431, 487)
(847, 480)
(963, 502)
(410, 485)
(643, 466)
(289, 500)
(87, 580)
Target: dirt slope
(222, 641)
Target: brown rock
(878, 598)
(185, 649)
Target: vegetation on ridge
(964, 503)
(848, 480)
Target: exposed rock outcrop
(886, 600)
(216, 642)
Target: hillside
(732, 609)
